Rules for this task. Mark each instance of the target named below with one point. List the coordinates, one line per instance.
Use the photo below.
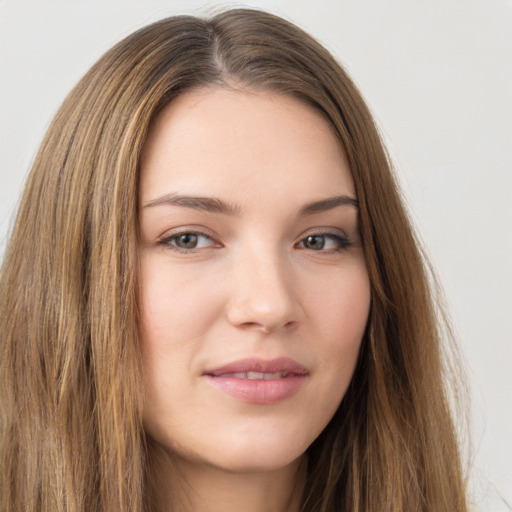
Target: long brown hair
(71, 429)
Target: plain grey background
(438, 76)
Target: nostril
(251, 325)
(267, 328)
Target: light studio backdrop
(438, 77)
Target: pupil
(188, 241)
(315, 242)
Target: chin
(239, 454)
(258, 453)
(257, 462)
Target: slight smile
(258, 381)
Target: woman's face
(254, 289)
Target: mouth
(258, 381)
(254, 375)
(255, 368)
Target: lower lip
(259, 391)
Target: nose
(263, 296)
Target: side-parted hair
(70, 383)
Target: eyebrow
(327, 204)
(214, 205)
(209, 204)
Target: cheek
(341, 317)
(177, 305)
(177, 309)
(341, 307)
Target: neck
(179, 485)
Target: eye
(187, 241)
(328, 242)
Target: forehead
(225, 142)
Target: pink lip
(259, 391)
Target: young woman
(212, 299)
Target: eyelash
(168, 241)
(343, 242)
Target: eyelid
(335, 234)
(164, 240)
(332, 233)
(323, 231)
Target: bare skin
(254, 296)
(204, 489)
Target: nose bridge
(263, 295)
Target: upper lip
(281, 364)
